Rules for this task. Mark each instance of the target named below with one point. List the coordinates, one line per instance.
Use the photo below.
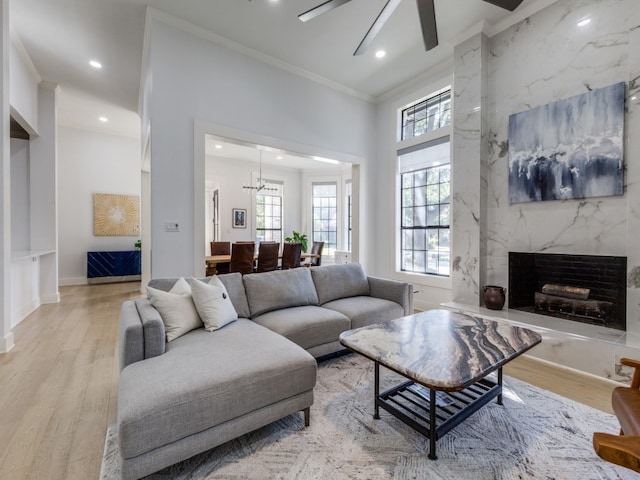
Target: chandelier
(261, 185)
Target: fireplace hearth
(583, 288)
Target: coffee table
(446, 357)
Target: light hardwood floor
(59, 385)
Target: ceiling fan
(426, 12)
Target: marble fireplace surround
(540, 60)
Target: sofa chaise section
(206, 389)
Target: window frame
(424, 174)
(430, 280)
(280, 185)
(329, 247)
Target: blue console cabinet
(113, 266)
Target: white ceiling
(61, 36)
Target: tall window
(325, 214)
(348, 205)
(425, 207)
(427, 115)
(269, 212)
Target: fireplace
(584, 288)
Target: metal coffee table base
(434, 412)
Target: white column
(6, 335)
(44, 200)
(468, 169)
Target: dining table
(213, 260)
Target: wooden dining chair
(268, 256)
(291, 255)
(242, 257)
(317, 250)
(221, 248)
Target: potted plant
(298, 238)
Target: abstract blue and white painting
(571, 148)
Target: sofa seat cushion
(306, 326)
(365, 310)
(280, 289)
(207, 378)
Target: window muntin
(425, 182)
(325, 214)
(427, 115)
(269, 212)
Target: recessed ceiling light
(634, 97)
(584, 21)
(95, 64)
(380, 53)
(279, 157)
(103, 119)
(218, 147)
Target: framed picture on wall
(239, 218)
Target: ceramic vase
(494, 296)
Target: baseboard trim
(7, 343)
(25, 310)
(72, 281)
(120, 279)
(50, 298)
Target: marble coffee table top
(440, 349)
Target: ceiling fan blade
(320, 9)
(510, 5)
(383, 16)
(427, 14)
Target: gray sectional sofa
(180, 398)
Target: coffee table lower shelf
(411, 403)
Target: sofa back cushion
(339, 281)
(235, 288)
(231, 281)
(280, 289)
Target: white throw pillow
(176, 308)
(213, 303)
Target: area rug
(534, 435)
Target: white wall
(88, 163)
(24, 82)
(232, 175)
(194, 78)
(20, 196)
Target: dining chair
(268, 256)
(317, 250)
(221, 248)
(291, 255)
(242, 257)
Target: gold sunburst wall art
(116, 215)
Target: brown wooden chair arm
(630, 362)
(622, 450)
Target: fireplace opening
(583, 288)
